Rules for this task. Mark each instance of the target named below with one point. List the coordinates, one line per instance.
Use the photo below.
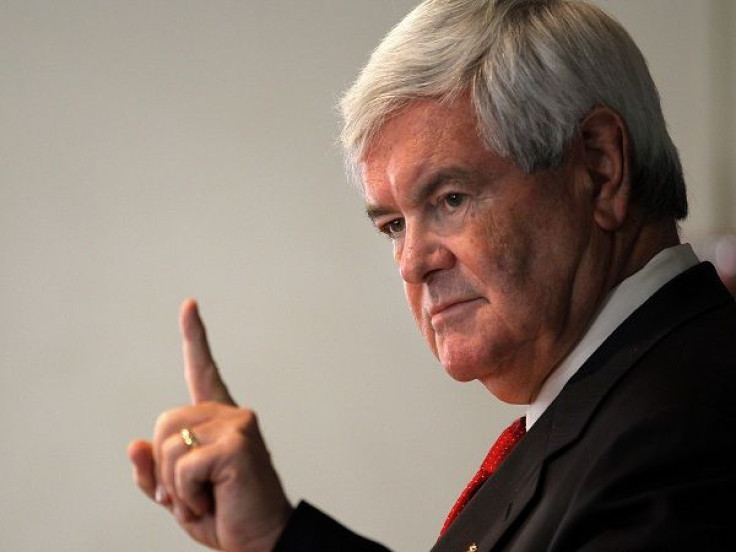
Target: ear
(606, 151)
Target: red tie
(500, 449)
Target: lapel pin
(472, 548)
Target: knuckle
(243, 437)
(168, 448)
(235, 442)
(248, 420)
(242, 429)
(164, 421)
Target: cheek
(414, 298)
(507, 251)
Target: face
(498, 265)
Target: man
(516, 155)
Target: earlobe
(606, 151)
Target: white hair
(534, 69)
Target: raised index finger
(200, 371)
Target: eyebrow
(423, 191)
(374, 212)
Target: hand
(224, 491)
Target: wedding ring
(187, 435)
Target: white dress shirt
(623, 300)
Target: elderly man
(516, 155)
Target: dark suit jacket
(637, 453)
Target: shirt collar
(621, 301)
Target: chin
(463, 376)
(462, 367)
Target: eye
(393, 228)
(452, 201)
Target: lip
(449, 306)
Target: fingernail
(162, 497)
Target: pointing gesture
(207, 463)
(203, 378)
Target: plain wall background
(154, 150)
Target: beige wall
(154, 150)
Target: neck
(635, 245)
(629, 249)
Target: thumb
(200, 371)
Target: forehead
(425, 137)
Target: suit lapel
(690, 294)
(503, 498)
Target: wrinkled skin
(502, 269)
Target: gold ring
(187, 435)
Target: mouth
(455, 306)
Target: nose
(420, 253)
